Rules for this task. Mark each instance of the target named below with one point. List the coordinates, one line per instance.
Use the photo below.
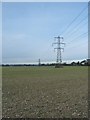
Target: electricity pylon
(39, 62)
(59, 49)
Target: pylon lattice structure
(59, 49)
(39, 62)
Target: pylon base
(58, 66)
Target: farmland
(45, 92)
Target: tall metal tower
(39, 62)
(59, 49)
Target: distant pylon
(39, 62)
(59, 49)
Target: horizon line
(44, 62)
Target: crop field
(45, 92)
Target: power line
(74, 20)
(73, 32)
(78, 37)
(79, 44)
(77, 25)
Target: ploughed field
(45, 92)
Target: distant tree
(78, 63)
(73, 63)
(84, 62)
(65, 63)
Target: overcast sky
(29, 30)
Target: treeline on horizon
(82, 63)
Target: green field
(45, 92)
